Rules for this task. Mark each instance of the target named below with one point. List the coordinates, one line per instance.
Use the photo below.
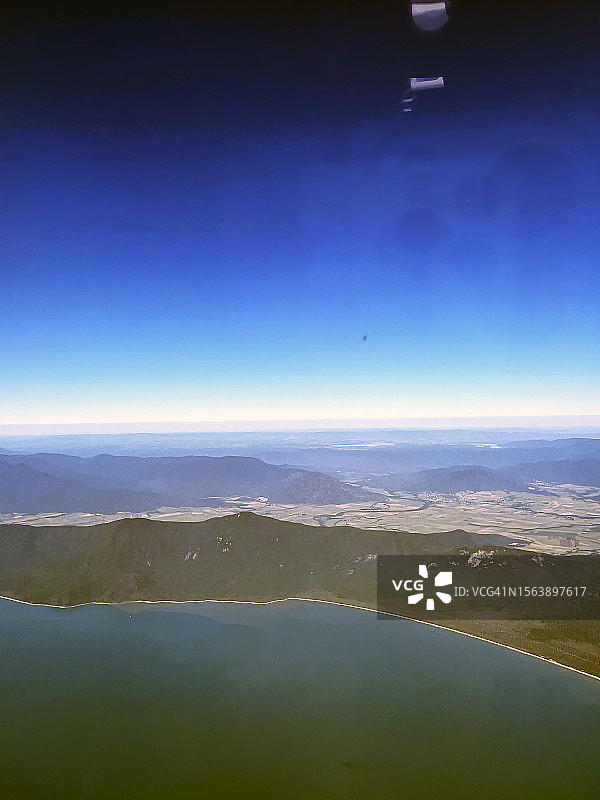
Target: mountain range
(47, 482)
(108, 484)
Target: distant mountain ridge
(449, 480)
(52, 482)
(408, 458)
(24, 490)
(583, 472)
(107, 484)
(340, 456)
(475, 478)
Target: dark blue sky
(203, 217)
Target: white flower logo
(441, 579)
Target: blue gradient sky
(230, 273)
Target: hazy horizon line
(259, 426)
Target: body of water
(293, 700)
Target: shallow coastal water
(293, 700)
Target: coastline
(313, 600)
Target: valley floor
(567, 520)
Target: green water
(287, 701)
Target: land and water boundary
(450, 628)
(253, 559)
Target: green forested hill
(243, 556)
